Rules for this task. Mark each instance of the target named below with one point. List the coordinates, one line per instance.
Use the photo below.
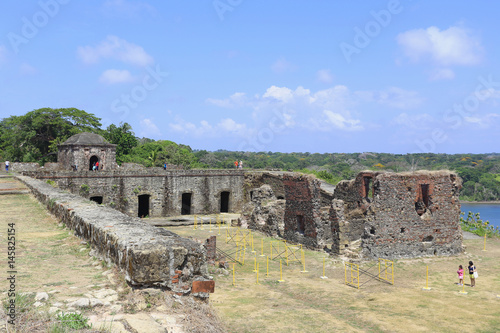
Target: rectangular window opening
(300, 224)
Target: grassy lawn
(306, 303)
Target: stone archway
(93, 159)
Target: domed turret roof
(88, 139)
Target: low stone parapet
(148, 256)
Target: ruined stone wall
(121, 189)
(254, 180)
(303, 215)
(20, 166)
(407, 215)
(148, 256)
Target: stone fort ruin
(376, 215)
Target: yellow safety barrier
(262, 247)
(484, 247)
(239, 236)
(386, 270)
(267, 262)
(279, 252)
(426, 279)
(294, 254)
(257, 274)
(324, 276)
(281, 273)
(194, 226)
(303, 262)
(255, 264)
(351, 279)
(234, 283)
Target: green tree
(124, 139)
(34, 136)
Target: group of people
(95, 167)
(472, 274)
(238, 165)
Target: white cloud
(235, 100)
(205, 129)
(333, 109)
(341, 122)
(453, 46)
(415, 121)
(393, 97)
(483, 121)
(281, 94)
(149, 128)
(115, 48)
(112, 76)
(27, 69)
(324, 76)
(282, 65)
(442, 74)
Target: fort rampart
(148, 256)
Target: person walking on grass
(472, 274)
(460, 275)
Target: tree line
(34, 137)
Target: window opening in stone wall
(143, 210)
(251, 195)
(280, 197)
(94, 159)
(224, 202)
(367, 187)
(300, 224)
(96, 199)
(186, 204)
(425, 194)
(428, 239)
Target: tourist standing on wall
(241, 164)
(236, 164)
(472, 274)
(7, 165)
(165, 166)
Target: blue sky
(289, 76)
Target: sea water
(488, 212)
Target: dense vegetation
(34, 137)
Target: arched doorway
(97, 199)
(93, 159)
(143, 210)
(224, 202)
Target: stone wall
(148, 256)
(403, 215)
(306, 221)
(162, 190)
(81, 155)
(20, 166)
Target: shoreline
(480, 202)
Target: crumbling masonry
(376, 215)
